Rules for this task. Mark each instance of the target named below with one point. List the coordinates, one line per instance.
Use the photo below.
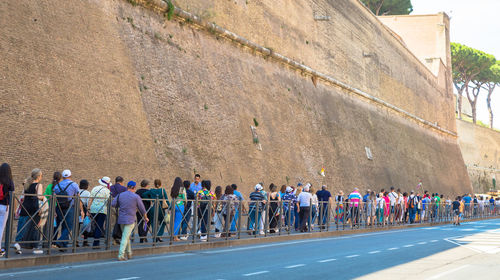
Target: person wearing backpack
(412, 206)
(158, 192)
(65, 191)
(205, 196)
(6, 186)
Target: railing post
(195, 219)
(173, 209)
(266, 219)
(208, 226)
(328, 216)
(227, 219)
(155, 221)
(257, 219)
(10, 223)
(50, 222)
(239, 218)
(280, 221)
(309, 218)
(76, 222)
(108, 224)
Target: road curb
(162, 249)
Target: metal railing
(51, 228)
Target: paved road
(390, 253)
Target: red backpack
(2, 194)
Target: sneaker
(261, 232)
(18, 248)
(183, 238)
(37, 251)
(203, 238)
(2, 253)
(217, 235)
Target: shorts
(457, 212)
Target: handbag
(117, 229)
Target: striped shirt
(355, 198)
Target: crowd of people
(192, 208)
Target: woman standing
(28, 225)
(274, 208)
(6, 186)
(161, 195)
(387, 207)
(142, 225)
(218, 212)
(339, 209)
(230, 205)
(314, 205)
(98, 207)
(370, 208)
(178, 200)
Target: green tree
(467, 63)
(482, 63)
(389, 7)
(491, 78)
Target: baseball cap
(131, 184)
(66, 173)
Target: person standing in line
(456, 211)
(236, 214)
(178, 200)
(128, 204)
(297, 221)
(325, 200)
(196, 185)
(56, 178)
(399, 207)
(339, 208)
(159, 194)
(426, 202)
(289, 201)
(98, 207)
(118, 187)
(371, 201)
(314, 205)
(65, 209)
(6, 186)
(188, 210)
(255, 209)
(405, 208)
(29, 220)
(217, 218)
(303, 205)
(230, 205)
(412, 206)
(205, 197)
(84, 202)
(142, 226)
(274, 208)
(264, 213)
(393, 196)
(354, 203)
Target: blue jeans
(99, 219)
(185, 221)
(314, 214)
(289, 216)
(66, 225)
(323, 213)
(297, 218)
(179, 210)
(254, 223)
(235, 220)
(412, 215)
(20, 230)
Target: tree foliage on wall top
(389, 7)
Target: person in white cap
(98, 205)
(65, 191)
(303, 205)
(255, 209)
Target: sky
(475, 24)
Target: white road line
(447, 272)
(374, 252)
(352, 256)
(256, 273)
(295, 265)
(94, 264)
(327, 260)
(422, 243)
(129, 278)
(409, 245)
(390, 249)
(307, 241)
(434, 241)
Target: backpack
(411, 203)
(63, 202)
(2, 194)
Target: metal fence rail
(52, 228)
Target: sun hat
(289, 189)
(258, 187)
(105, 181)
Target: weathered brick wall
(108, 88)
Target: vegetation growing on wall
(389, 7)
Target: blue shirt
(72, 189)
(365, 197)
(467, 199)
(195, 187)
(323, 195)
(238, 195)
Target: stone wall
(109, 88)
(481, 151)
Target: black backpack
(63, 202)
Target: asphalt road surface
(441, 252)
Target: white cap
(289, 189)
(66, 173)
(258, 187)
(306, 188)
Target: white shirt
(392, 198)
(84, 197)
(304, 199)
